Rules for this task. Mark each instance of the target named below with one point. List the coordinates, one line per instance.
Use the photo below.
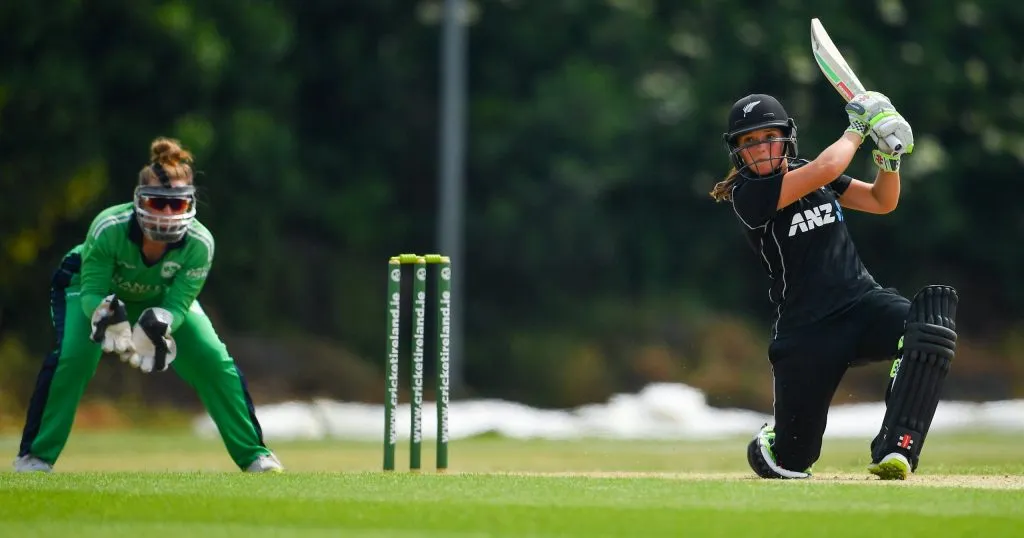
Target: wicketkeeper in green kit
(145, 261)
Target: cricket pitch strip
(997, 481)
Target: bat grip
(895, 144)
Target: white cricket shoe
(895, 466)
(267, 463)
(29, 463)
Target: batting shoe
(761, 457)
(267, 463)
(895, 466)
(29, 463)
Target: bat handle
(895, 144)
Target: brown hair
(723, 189)
(167, 161)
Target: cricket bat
(838, 72)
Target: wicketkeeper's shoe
(267, 463)
(29, 463)
(761, 457)
(895, 466)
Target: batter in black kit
(830, 313)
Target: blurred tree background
(595, 261)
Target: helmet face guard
(165, 213)
(752, 113)
(749, 169)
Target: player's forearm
(95, 285)
(179, 300)
(96, 275)
(188, 282)
(90, 302)
(837, 157)
(178, 310)
(886, 189)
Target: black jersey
(804, 247)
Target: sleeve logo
(198, 273)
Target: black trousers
(809, 364)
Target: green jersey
(112, 262)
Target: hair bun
(168, 152)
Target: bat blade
(839, 73)
(832, 63)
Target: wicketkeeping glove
(154, 347)
(110, 327)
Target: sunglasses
(176, 205)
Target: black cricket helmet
(753, 112)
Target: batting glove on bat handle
(893, 135)
(885, 161)
(866, 109)
(894, 143)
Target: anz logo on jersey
(809, 219)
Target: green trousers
(202, 361)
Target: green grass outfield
(166, 484)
